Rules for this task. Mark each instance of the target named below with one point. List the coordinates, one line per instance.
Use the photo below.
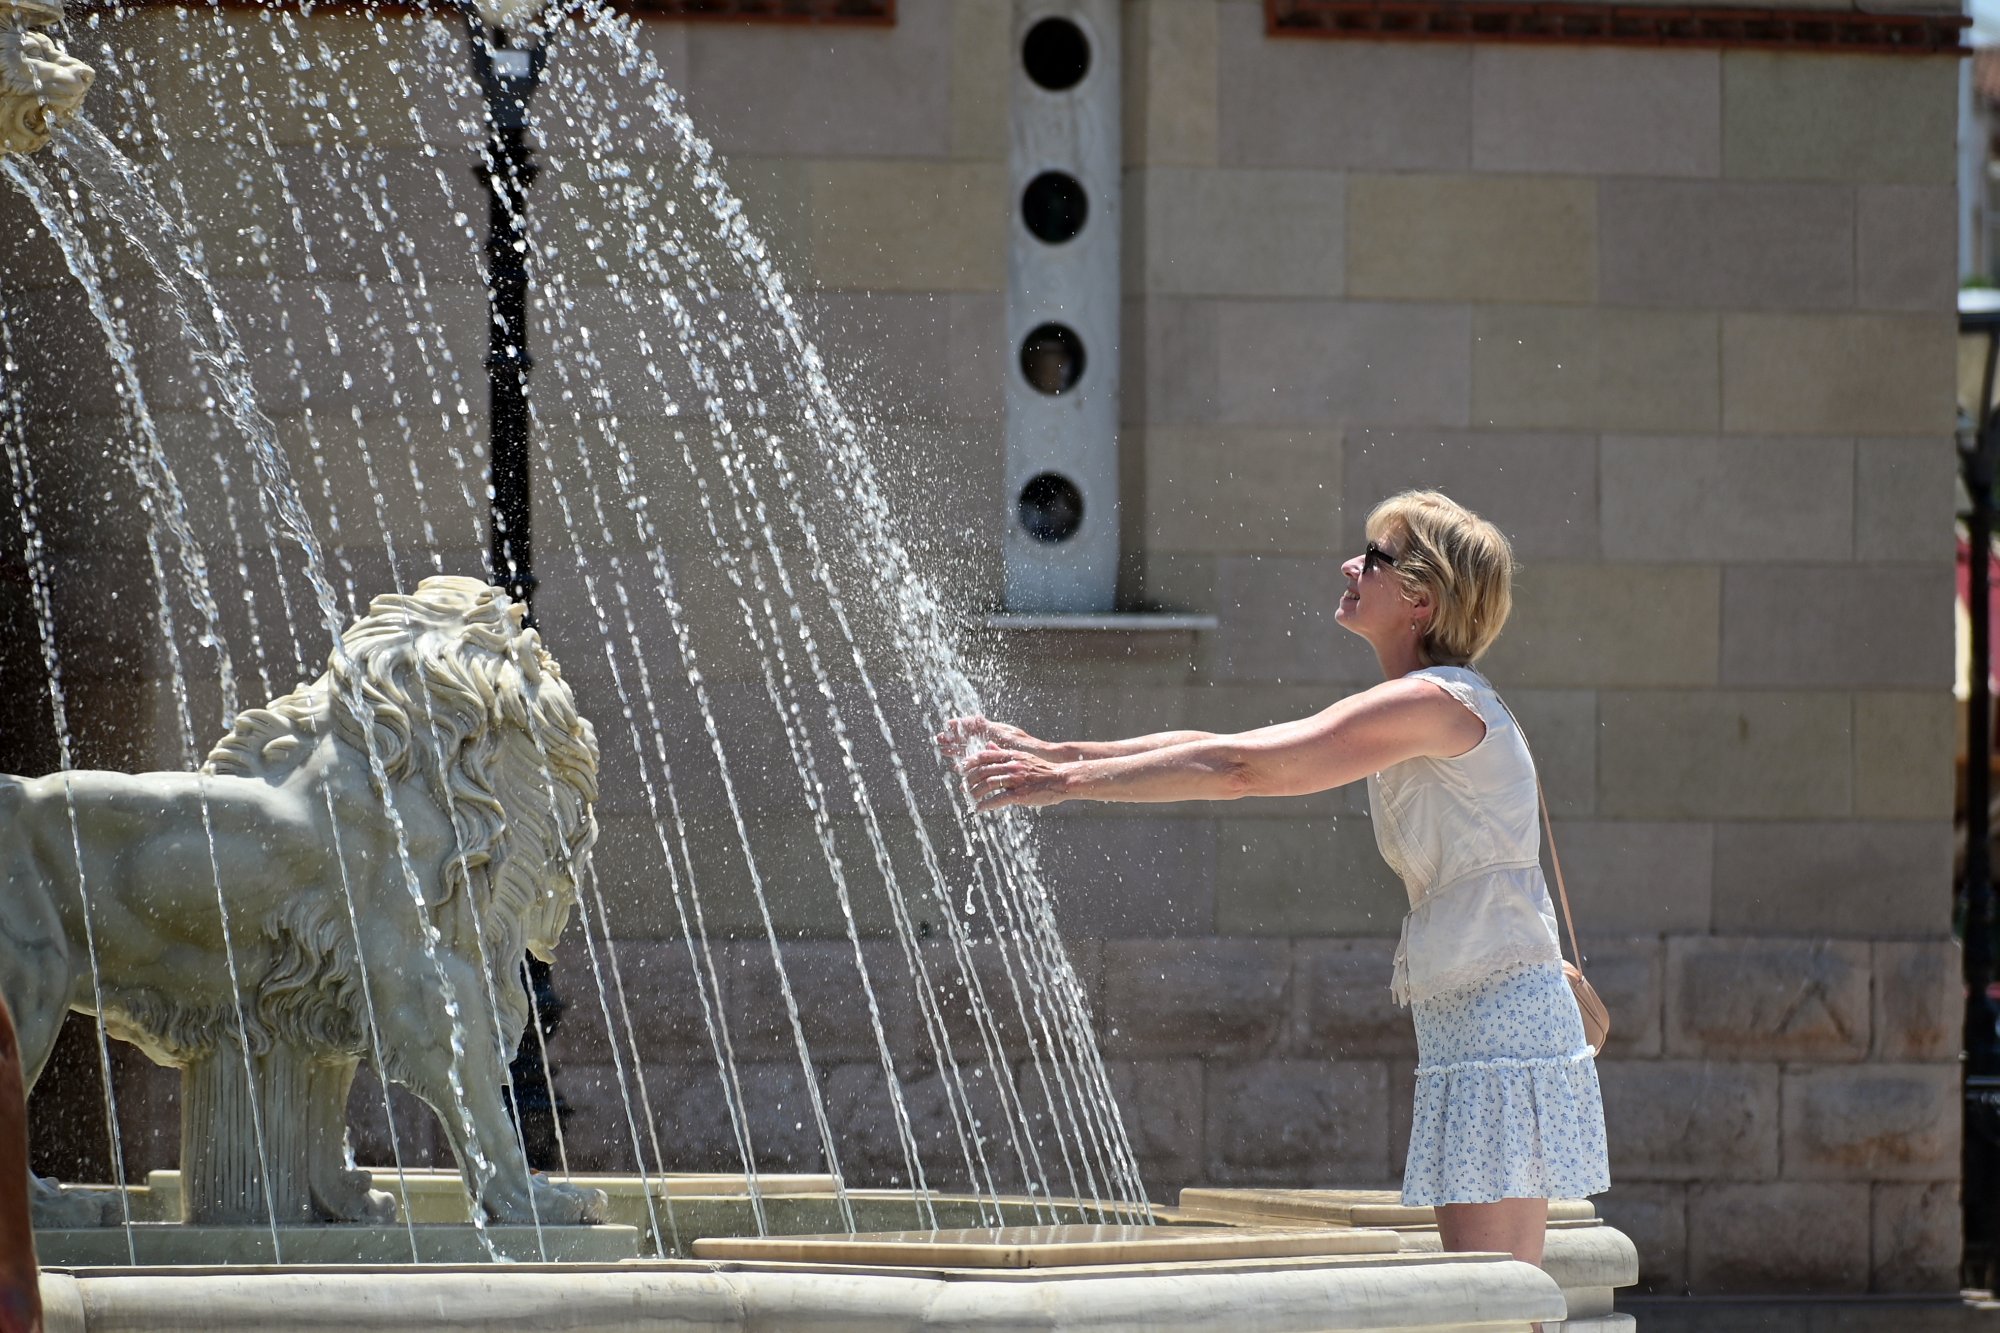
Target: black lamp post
(507, 60)
(509, 68)
(1979, 454)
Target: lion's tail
(263, 741)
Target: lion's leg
(508, 1191)
(36, 978)
(340, 1193)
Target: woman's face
(1373, 604)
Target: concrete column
(1061, 475)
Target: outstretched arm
(962, 735)
(1394, 721)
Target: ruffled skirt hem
(1507, 1128)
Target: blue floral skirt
(1507, 1102)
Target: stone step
(1587, 1259)
(1048, 1246)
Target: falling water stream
(27, 504)
(852, 473)
(783, 490)
(223, 357)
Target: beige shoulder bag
(1596, 1018)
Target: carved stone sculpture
(491, 779)
(40, 82)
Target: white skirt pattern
(1507, 1103)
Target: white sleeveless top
(1464, 834)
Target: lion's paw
(345, 1196)
(561, 1204)
(552, 1203)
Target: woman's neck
(1400, 658)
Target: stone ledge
(1587, 1259)
(1382, 1292)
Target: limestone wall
(1678, 320)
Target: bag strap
(1555, 858)
(1549, 832)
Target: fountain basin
(1282, 1260)
(1363, 1293)
(688, 1205)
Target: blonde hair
(1462, 561)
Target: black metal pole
(508, 76)
(1982, 1044)
(1981, 1139)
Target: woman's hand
(1001, 777)
(963, 736)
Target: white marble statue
(40, 82)
(493, 776)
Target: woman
(1508, 1113)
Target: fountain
(348, 878)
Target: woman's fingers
(1002, 789)
(959, 733)
(993, 776)
(988, 762)
(998, 778)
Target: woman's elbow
(1241, 777)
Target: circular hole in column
(1051, 507)
(1052, 358)
(1054, 206)
(1056, 54)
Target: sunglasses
(1373, 556)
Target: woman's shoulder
(1428, 688)
(1461, 683)
(1471, 690)
(1437, 706)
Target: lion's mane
(445, 686)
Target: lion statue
(40, 82)
(353, 875)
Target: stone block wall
(1648, 310)
(1679, 320)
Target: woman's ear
(1422, 608)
